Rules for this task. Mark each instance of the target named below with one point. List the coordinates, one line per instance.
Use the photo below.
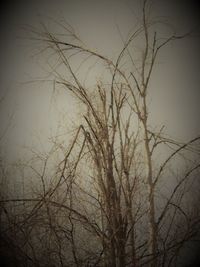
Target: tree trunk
(152, 246)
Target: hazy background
(28, 108)
(29, 114)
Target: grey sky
(175, 85)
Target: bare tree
(102, 205)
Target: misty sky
(175, 91)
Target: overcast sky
(175, 85)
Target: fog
(175, 93)
(34, 113)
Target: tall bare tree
(105, 190)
